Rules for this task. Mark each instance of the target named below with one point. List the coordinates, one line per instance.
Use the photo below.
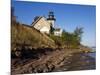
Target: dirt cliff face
(29, 48)
(27, 35)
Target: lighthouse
(51, 18)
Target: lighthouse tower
(51, 19)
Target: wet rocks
(49, 60)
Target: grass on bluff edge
(24, 34)
(69, 40)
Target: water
(92, 54)
(84, 62)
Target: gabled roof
(33, 23)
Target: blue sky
(68, 16)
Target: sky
(68, 17)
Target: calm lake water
(92, 54)
(84, 62)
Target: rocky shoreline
(53, 61)
(78, 61)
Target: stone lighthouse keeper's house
(44, 25)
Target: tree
(69, 40)
(78, 33)
(51, 29)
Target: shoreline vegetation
(34, 52)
